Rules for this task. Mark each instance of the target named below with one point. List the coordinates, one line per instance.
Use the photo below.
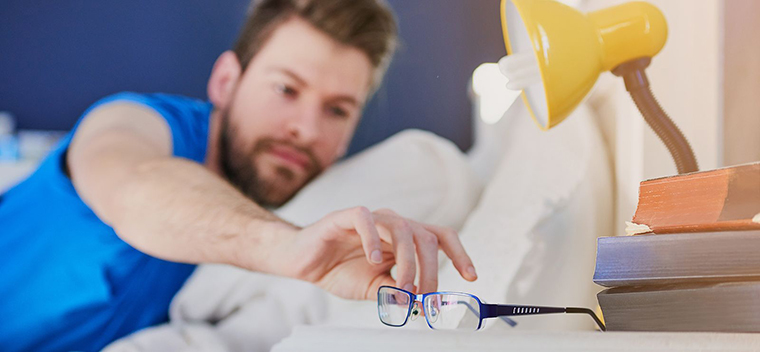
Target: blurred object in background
(493, 98)
(490, 101)
(8, 140)
(21, 151)
(34, 145)
(13, 172)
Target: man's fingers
(412, 243)
(360, 219)
(427, 252)
(403, 247)
(449, 242)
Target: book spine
(678, 258)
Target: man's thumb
(382, 280)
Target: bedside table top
(337, 339)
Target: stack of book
(692, 259)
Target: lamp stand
(637, 84)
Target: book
(726, 199)
(677, 258)
(704, 307)
(693, 264)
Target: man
(92, 243)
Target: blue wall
(58, 57)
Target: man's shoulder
(159, 101)
(186, 117)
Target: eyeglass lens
(393, 306)
(451, 311)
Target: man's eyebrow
(337, 99)
(290, 74)
(346, 99)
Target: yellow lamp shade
(572, 49)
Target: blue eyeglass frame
(421, 298)
(488, 310)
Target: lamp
(555, 54)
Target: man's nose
(304, 127)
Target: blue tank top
(67, 281)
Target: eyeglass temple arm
(499, 310)
(575, 310)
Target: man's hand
(350, 253)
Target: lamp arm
(637, 84)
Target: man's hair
(368, 25)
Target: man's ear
(224, 77)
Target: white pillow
(415, 173)
(532, 235)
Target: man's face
(293, 112)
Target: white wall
(741, 77)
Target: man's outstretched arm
(121, 163)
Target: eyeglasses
(455, 310)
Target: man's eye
(338, 112)
(286, 90)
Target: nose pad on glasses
(416, 310)
(433, 314)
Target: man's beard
(239, 168)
